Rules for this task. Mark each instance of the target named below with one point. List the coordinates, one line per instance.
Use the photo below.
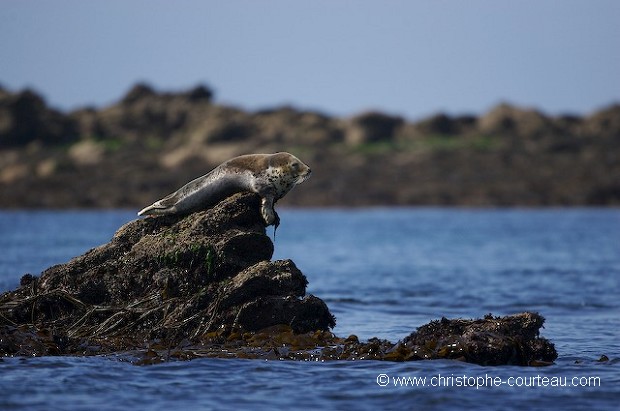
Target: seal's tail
(153, 209)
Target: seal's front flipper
(267, 211)
(276, 224)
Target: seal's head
(286, 171)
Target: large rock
(203, 285)
(173, 278)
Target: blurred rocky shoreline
(150, 143)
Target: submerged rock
(203, 285)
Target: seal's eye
(295, 166)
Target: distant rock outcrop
(25, 118)
(151, 142)
(509, 120)
(372, 127)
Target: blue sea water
(382, 272)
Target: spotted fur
(269, 175)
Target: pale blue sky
(411, 58)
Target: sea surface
(383, 272)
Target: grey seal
(269, 175)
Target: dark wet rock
(510, 340)
(173, 278)
(489, 341)
(203, 285)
